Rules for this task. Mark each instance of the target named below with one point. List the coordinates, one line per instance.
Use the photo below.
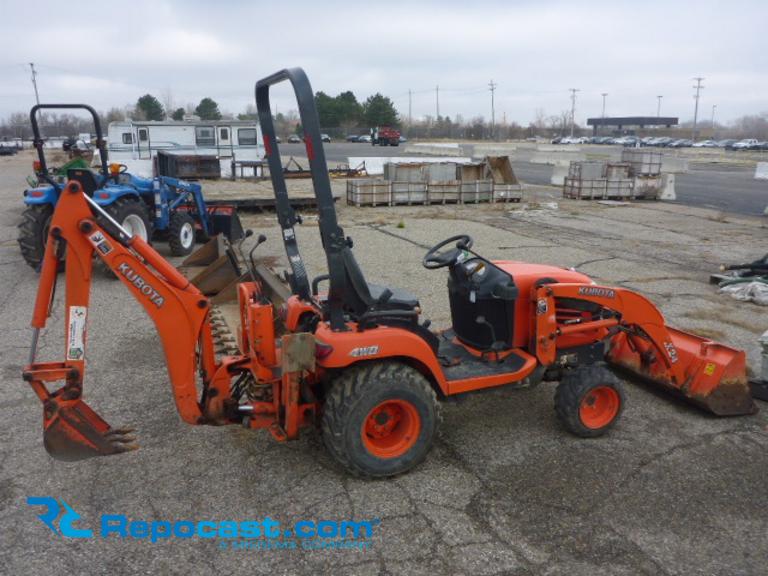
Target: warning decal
(76, 333)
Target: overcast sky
(108, 53)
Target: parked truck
(385, 136)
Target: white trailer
(136, 143)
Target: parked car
(325, 138)
(705, 144)
(294, 139)
(726, 143)
(364, 139)
(403, 139)
(746, 144)
(556, 140)
(681, 143)
(352, 138)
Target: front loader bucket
(225, 220)
(715, 375)
(73, 431)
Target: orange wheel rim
(391, 428)
(599, 407)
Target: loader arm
(708, 373)
(177, 308)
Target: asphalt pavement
(722, 187)
(505, 490)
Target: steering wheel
(434, 259)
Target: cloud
(533, 50)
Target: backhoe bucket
(73, 431)
(715, 375)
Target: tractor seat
(86, 179)
(400, 300)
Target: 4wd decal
(597, 291)
(364, 351)
(671, 351)
(141, 285)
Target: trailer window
(246, 136)
(143, 134)
(224, 133)
(204, 136)
(127, 138)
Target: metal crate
(409, 193)
(476, 191)
(620, 188)
(443, 192)
(507, 192)
(618, 170)
(188, 166)
(411, 172)
(594, 189)
(587, 170)
(369, 192)
(644, 162)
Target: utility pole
(34, 80)
(698, 88)
(410, 118)
(492, 86)
(658, 106)
(437, 102)
(713, 116)
(573, 108)
(604, 94)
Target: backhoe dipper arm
(177, 308)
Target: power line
(698, 88)
(658, 105)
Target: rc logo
(53, 508)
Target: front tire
(589, 400)
(33, 233)
(380, 419)
(181, 234)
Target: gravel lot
(505, 491)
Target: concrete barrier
(563, 158)
(667, 187)
(559, 173)
(434, 149)
(483, 150)
(761, 171)
(375, 164)
(557, 148)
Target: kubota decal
(364, 351)
(596, 291)
(141, 285)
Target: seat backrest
(357, 295)
(86, 178)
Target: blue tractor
(162, 207)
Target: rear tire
(380, 419)
(181, 234)
(589, 400)
(33, 233)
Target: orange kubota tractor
(355, 359)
